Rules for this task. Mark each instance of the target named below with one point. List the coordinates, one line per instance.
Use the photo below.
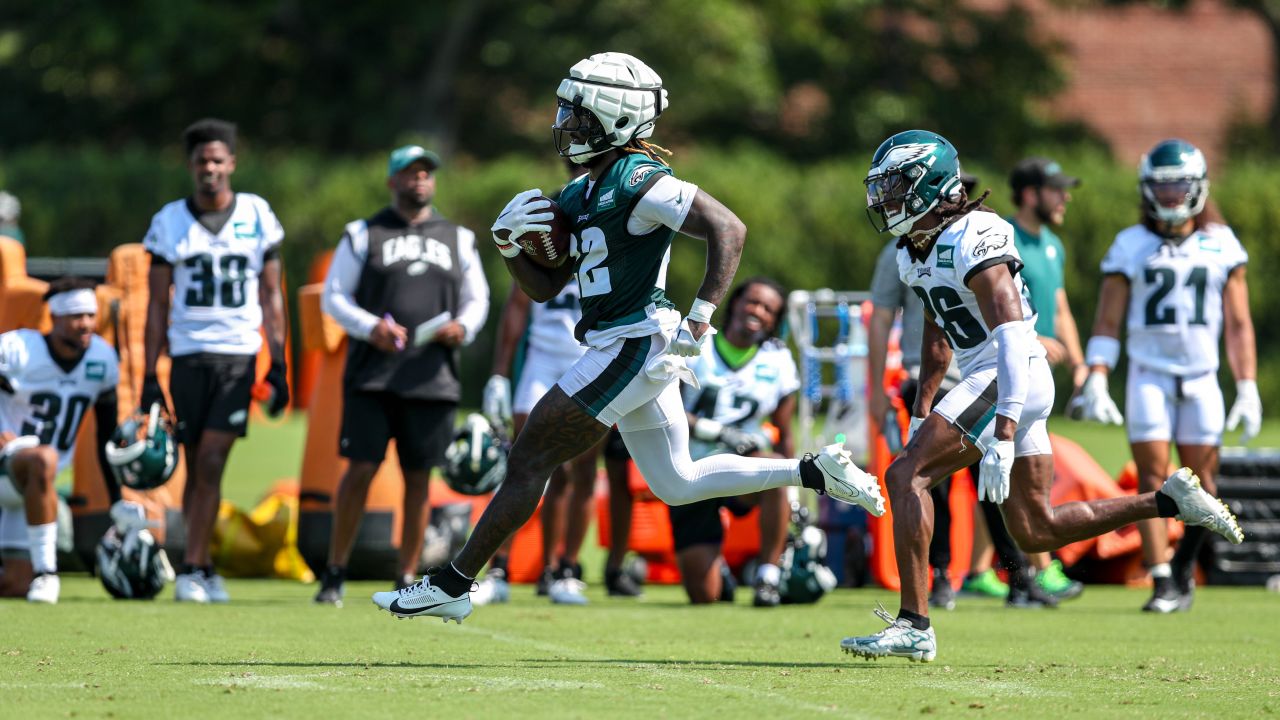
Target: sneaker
(1197, 507)
(1165, 597)
(215, 588)
(493, 589)
(568, 591)
(545, 580)
(984, 584)
(189, 587)
(331, 590)
(44, 588)
(422, 599)
(900, 639)
(766, 595)
(621, 584)
(845, 481)
(1026, 594)
(1055, 582)
(943, 595)
(405, 581)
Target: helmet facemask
(577, 132)
(1172, 201)
(608, 100)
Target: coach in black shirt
(408, 287)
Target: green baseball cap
(403, 157)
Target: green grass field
(271, 653)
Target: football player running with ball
(960, 259)
(1179, 278)
(623, 214)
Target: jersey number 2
(593, 279)
(227, 285)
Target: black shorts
(422, 428)
(211, 392)
(696, 524)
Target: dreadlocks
(644, 147)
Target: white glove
(126, 516)
(993, 472)
(496, 404)
(1247, 407)
(913, 427)
(1094, 402)
(519, 217)
(685, 345)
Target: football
(548, 249)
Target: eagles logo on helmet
(476, 460)
(142, 452)
(910, 174)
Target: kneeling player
(47, 384)
(960, 259)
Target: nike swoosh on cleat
(396, 608)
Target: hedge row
(807, 225)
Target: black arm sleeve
(104, 412)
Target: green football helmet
(910, 174)
(805, 575)
(1174, 181)
(476, 460)
(142, 452)
(131, 564)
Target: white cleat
(847, 482)
(900, 639)
(189, 587)
(492, 590)
(422, 599)
(568, 591)
(1197, 507)
(216, 588)
(44, 588)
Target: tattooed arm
(725, 234)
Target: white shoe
(900, 639)
(216, 588)
(422, 599)
(492, 590)
(44, 589)
(847, 482)
(568, 591)
(189, 587)
(1197, 507)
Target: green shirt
(1043, 261)
(617, 272)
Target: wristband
(1102, 350)
(701, 311)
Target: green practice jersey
(618, 273)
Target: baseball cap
(403, 157)
(1040, 172)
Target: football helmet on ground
(130, 563)
(1174, 182)
(910, 174)
(608, 100)
(142, 452)
(476, 460)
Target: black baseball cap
(1040, 172)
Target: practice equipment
(476, 461)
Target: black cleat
(766, 595)
(621, 584)
(331, 586)
(1165, 597)
(728, 583)
(545, 580)
(1025, 593)
(943, 595)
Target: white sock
(769, 573)
(1161, 571)
(43, 547)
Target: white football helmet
(607, 101)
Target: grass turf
(272, 653)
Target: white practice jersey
(969, 245)
(744, 397)
(215, 304)
(551, 324)
(45, 400)
(1175, 295)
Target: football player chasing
(47, 384)
(959, 258)
(1178, 279)
(623, 213)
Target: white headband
(74, 302)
